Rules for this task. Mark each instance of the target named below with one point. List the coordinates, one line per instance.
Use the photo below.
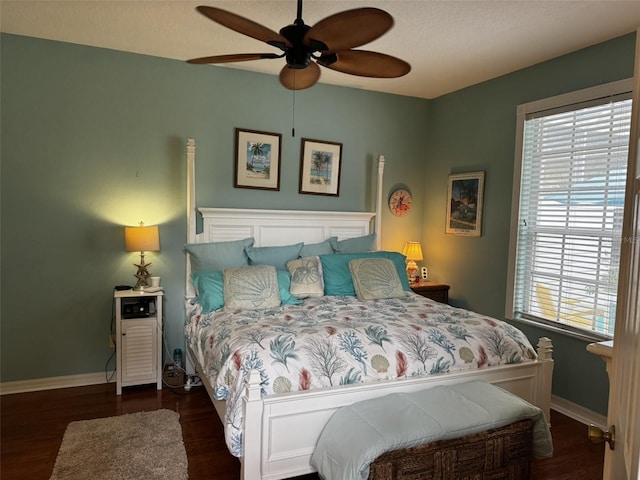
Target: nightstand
(435, 291)
(138, 316)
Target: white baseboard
(577, 412)
(570, 409)
(23, 386)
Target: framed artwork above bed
(320, 167)
(257, 160)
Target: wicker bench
(466, 431)
(501, 453)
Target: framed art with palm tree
(464, 205)
(257, 159)
(320, 167)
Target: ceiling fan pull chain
(293, 115)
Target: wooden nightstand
(435, 291)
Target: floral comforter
(328, 341)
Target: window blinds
(572, 189)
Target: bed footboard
(281, 431)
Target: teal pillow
(276, 256)
(355, 245)
(337, 276)
(210, 288)
(316, 249)
(284, 283)
(215, 256)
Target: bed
(276, 374)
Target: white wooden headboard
(274, 227)
(280, 227)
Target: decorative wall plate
(400, 202)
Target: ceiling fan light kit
(329, 43)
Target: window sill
(591, 337)
(604, 350)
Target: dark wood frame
(241, 179)
(307, 186)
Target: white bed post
(378, 219)
(545, 375)
(191, 229)
(252, 438)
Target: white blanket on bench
(357, 434)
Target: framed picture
(464, 204)
(257, 160)
(320, 167)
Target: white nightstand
(138, 338)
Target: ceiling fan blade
(299, 78)
(238, 57)
(244, 26)
(349, 29)
(366, 64)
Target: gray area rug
(136, 446)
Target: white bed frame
(281, 431)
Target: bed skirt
(503, 453)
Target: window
(569, 187)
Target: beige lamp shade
(141, 239)
(413, 251)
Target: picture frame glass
(464, 204)
(257, 160)
(320, 167)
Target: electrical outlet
(112, 345)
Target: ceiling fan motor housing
(298, 55)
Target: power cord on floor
(190, 382)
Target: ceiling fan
(329, 43)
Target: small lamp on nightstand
(413, 252)
(142, 239)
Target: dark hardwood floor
(33, 424)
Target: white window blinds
(573, 173)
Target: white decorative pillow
(306, 277)
(251, 288)
(375, 278)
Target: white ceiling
(450, 44)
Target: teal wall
(94, 139)
(474, 129)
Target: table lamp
(142, 239)
(413, 252)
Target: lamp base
(142, 274)
(413, 273)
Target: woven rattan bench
(466, 431)
(501, 453)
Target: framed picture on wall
(320, 167)
(464, 204)
(257, 159)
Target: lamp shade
(141, 239)
(413, 251)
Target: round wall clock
(400, 202)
